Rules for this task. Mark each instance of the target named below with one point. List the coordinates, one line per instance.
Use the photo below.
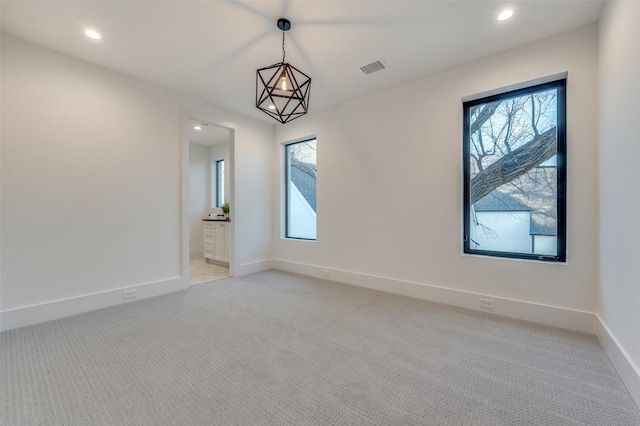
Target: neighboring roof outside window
(303, 176)
(514, 198)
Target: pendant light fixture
(282, 90)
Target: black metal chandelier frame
(273, 94)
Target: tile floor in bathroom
(201, 271)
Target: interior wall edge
(629, 372)
(542, 314)
(29, 315)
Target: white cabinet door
(219, 245)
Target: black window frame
(219, 184)
(287, 178)
(561, 169)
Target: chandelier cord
(283, 52)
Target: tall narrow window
(219, 183)
(515, 174)
(300, 184)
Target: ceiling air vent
(373, 67)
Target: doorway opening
(209, 230)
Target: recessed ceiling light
(505, 14)
(92, 34)
(198, 128)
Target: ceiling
(207, 134)
(210, 50)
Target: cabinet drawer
(209, 225)
(208, 235)
(208, 251)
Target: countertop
(215, 219)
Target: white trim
(184, 195)
(34, 314)
(188, 114)
(542, 314)
(253, 267)
(627, 369)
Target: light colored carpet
(280, 349)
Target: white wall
(389, 182)
(619, 291)
(91, 184)
(199, 194)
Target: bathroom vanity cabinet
(216, 241)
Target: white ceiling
(209, 134)
(210, 50)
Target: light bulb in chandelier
(283, 83)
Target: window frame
(287, 168)
(219, 183)
(561, 171)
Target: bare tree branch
(515, 164)
(484, 115)
(534, 124)
(304, 167)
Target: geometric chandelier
(282, 90)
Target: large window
(300, 186)
(219, 183)
(515, 175)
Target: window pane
(301, 190)
(511, 191)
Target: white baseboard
(542, 314)
(253, 267)
(196, 255)
(629, 372)
(34, 314)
